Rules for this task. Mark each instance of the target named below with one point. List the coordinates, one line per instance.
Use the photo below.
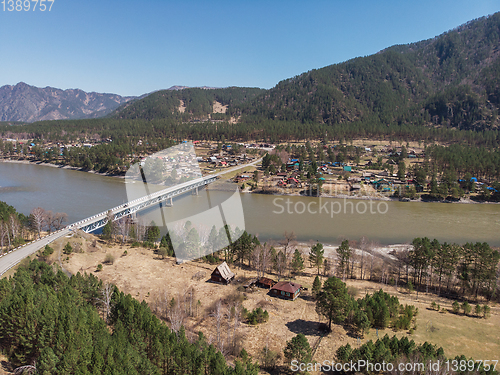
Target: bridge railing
(117, 209)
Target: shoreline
(374, 198)
(60, 166)
(280, 193)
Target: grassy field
(145, 276)
(474, 337)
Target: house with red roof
(286, 290)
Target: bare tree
(261, 258)
(363, 245)
(160, 304)
(37, 218)
(233, 323)
(107, 294)
(176, 313)
(4, 229)
(289, 244)
(218, 313)
(280, 263)
(59, 219)
(15, 225)
(353, 245)
(189, 297)
(256, 258)
(140, 230)
(123, 225)
(47, 220)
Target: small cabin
(222, 274)
(286, 290)
(265, 283)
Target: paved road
(9, 260)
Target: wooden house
(222, 274)
(265, 283)
(286, 290)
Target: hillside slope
(187, 103)
(452, 80)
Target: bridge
(90, 224)
(95, 222)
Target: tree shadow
(306, 327)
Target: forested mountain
(27, 103)
(187, 103)
(452, 80)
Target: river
(328, 220)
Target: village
(366, 168)
(378, 172)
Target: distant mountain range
(27, 103)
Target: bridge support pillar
(195, 191)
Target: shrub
(268, 358)
(163, 252)
(47, 251)
(466, 308)
(256, 316)
(486, 311)
(478, 310)
(68, 249)
(211, 259)
(109, 259)
(99, 267)
(455, 307)
(125, 253)
(410, 287)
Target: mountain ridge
(26, 103)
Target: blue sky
(134, 47)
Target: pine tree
(297, 262)
(316, 256)
(316, 287)
(333, 301)
(298, 348)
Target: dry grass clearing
(145, 276)
(458, 334)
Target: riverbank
(61, 166)
(283, 192)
